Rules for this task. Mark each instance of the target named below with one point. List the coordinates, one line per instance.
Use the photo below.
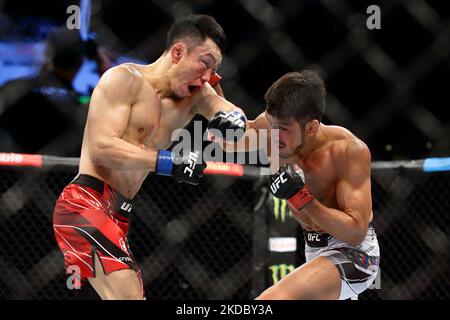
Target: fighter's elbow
(356, 240)
(357, 236)
(103, 153)
(97, 152)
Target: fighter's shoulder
(123, 79)
(348, 148)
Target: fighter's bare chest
(321, 177)
(322, 185)
(153, 124)
(321, 180)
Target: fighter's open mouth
(192, 88)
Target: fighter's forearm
(118, 154)
(252, 140)
(337, 223)
(208, 102)
(216, 103)
(219, 90)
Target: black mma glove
(187, 168)
(233, 122)
(290, 185)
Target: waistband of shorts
(319, 239)
(121, 204)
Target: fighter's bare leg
(118, 285)
(317, 279)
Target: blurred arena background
(388, 86)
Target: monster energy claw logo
(279, 271)
(279, 209)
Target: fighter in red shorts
(133, 112)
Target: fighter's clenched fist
(289, 184)
(187, 168)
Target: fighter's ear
(177, 51)
(312, 127)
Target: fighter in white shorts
(325, 177)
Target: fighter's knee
(273, 294)
(123, 295)
(132, 296)
(117, 286)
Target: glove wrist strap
(299, 200)
(164, 163)
(215, 79)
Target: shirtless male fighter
(132, 114)
(324, 175)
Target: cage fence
(211, 241)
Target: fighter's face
(290, 137)
(195, 67)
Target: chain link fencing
(393, 77)
(200, 242)
(191, 242)
(411, 221)
(211, 241)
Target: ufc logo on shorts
(313, 237)
(126, 206)
(276, 184)
(192, 161)
(233, 117)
